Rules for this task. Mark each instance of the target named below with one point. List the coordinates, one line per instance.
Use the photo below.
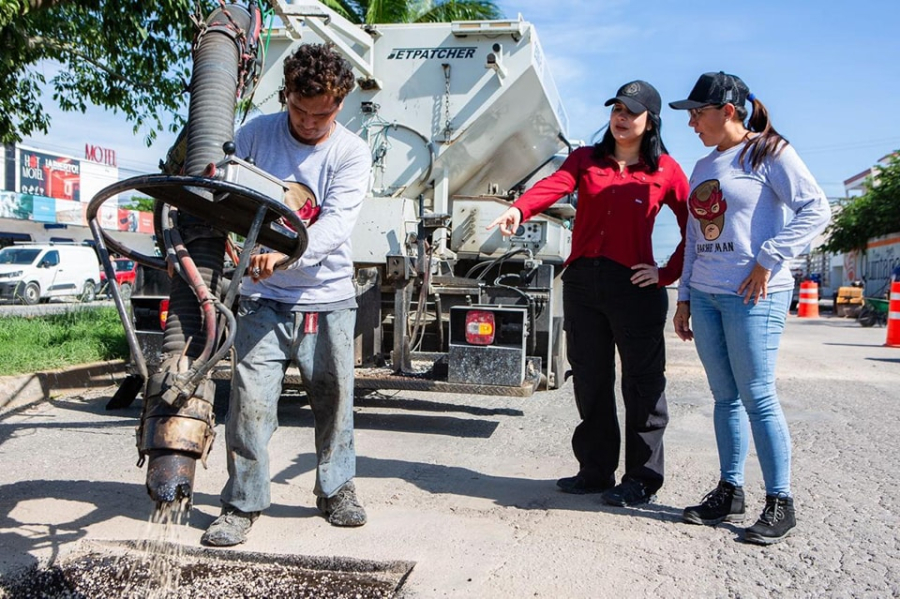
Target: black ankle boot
(775, 522)
(725, 503)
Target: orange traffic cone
(893, 321)
(808, 305)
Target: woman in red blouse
(614, 295)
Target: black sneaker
(725, 503)
(230, 528)
(629, 492)
(343, 508)
(775, 522)
(579, 485)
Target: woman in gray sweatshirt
(754, 205)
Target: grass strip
(79, 336)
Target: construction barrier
(893, 320)
(808, 305)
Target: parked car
(126, 273)
(35, 273)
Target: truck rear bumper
(385, 378)
(375, 379)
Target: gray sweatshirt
(337, 171)
(740, 217)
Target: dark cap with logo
(717, 89)
(638, 96)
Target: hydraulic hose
(175, 434)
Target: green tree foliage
(133, 55)
(126, 55)
(372, 12)
(873, 214)
(140, 203)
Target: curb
(19, 390)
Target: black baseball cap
(638, 96)
(717, 89)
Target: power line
(859, 145)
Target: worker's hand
(508, 222)
(756, 286)
(682, 321)
(644, 275)
(263, 265)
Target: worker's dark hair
(652, 146)
(316, 70)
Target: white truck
(460, 118)
(35, 273)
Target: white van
(33, 273)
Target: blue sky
(827, 71)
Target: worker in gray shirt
(304, 314)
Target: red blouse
(616, 210)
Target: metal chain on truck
(448, 131)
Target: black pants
(604, 311)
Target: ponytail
(768, 142)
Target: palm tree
(372, 12)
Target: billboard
(50, 176)
(95, 177)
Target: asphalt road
(464, 487)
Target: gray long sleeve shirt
(740, 217)
(337, 171)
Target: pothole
(145, 570)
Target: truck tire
(31, 294)
(88, 292)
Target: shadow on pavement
(295, 412)
(32, 518)
(521, 493)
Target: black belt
(589, 262)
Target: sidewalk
(19, 390)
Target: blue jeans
(738, 345)
(268, 339)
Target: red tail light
(479, 327)
(163, 313)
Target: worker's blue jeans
(269, 336)
(738, 345)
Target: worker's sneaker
(343, 508)
(629, 492)
(579, 485)
(230, 528)
(725, 503)
(775, 522)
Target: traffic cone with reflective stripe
(808, 305)
(893, 320)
